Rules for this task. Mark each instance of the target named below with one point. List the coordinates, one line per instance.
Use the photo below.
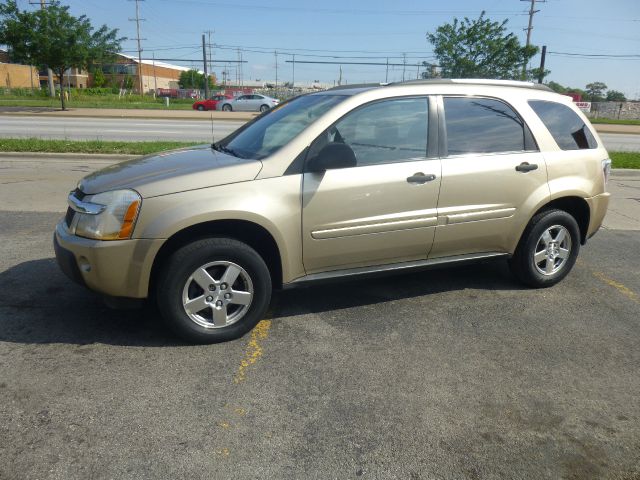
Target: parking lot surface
(457, 373)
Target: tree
(54, 38)
(193, 79)
(479, 48)
(595, 91)
(615, 96)
(99, 80)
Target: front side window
(484, 125)
(387, 131)
(271, 131)
(566, 127)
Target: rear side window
(484, 125)
(566, 127)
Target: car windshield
(279, 126)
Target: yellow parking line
(254, 349)
(623, 289)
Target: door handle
(419, 178)
(526, 167)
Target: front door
(383, 210)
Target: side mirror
(333, 156)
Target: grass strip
(614, 121)
(625, 159)
(87, 146)
(619, 159)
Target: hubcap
(217, 294)
(552, 250)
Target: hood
(171, 172)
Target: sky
(372, 31)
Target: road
(449, 374)
(185, 130)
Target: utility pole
(155, 78)
(404, 64)
(206, 72)
(52, 89)
(139, 39)
(293, 74)
(210, 55)
(542, 59)
(386, 75)
(276, 55)
(532, 12)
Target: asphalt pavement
(141, 129)
(456, 373)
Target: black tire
(177, 271)
(227, 108)
(201, 107)
(523, 264)
(264, 108)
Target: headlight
(108, 215)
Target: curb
(625, 172)
(70, 156)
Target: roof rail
(357, 85)
(475, 81)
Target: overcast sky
(376, 30)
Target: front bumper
(119, 268)
(598, 208)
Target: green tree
(479, 49)
(615, 96)
(595, 91)
(99, 80)
(54, 38)
(556, 87)
(193, 79)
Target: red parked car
(210, 103)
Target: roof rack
(357, 85)
(475, 81)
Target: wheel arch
(254, 235)
(575, 206)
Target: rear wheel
(547, 250)
(201, 107)
(214, 290)
(226, 108)
(264, 108)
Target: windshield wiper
(230, 151)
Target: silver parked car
(248, 103)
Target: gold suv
(342, 183)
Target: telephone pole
(532, 12)
(276, 55)
(206, 72)
(138, 20)
(52, 89)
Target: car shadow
(39, 305)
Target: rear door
(493, 176)
(384, 209)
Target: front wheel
(201, 107)
(547, 250)
(214, 290)
(226, 108)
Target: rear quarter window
(566, 127)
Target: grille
(68, 218)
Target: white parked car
(248, 103)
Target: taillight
(606, 169)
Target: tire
(226, 108)
(264, 108)
(201, 107)
(547, 250)
(212, 316)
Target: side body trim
(393, 267)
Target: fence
(616, 110)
